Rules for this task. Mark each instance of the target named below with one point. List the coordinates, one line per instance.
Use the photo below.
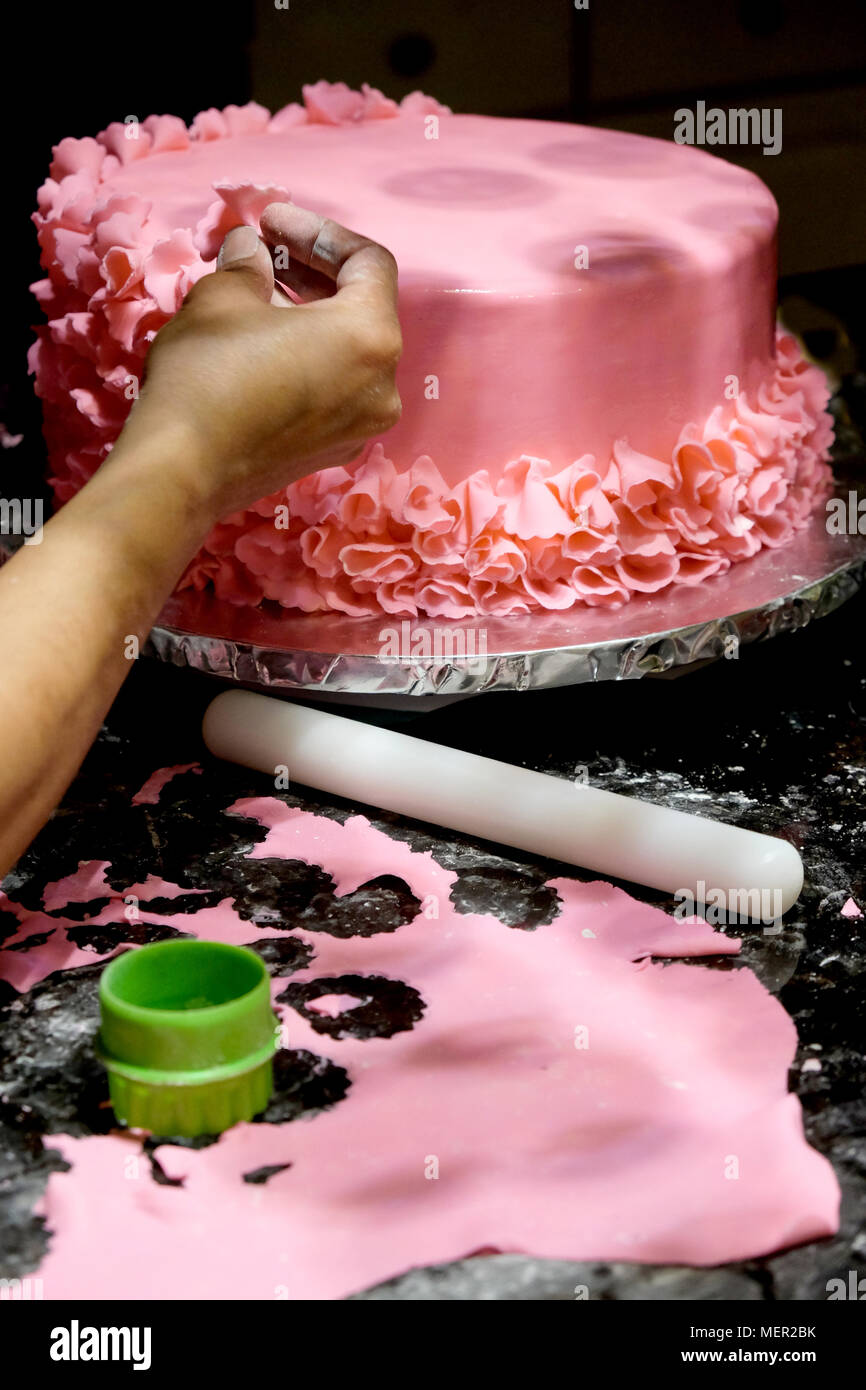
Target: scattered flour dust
(563, 1095)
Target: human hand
(254, 390)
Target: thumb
(243, 254)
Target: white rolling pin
(615, 836)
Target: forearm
(68, 609)
(277, 393)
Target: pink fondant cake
(596, 401)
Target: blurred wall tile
(640, 49)
(491, 56)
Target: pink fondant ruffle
(375, 538)
(392, 535)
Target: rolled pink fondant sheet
(556, 1093)
(568, 821)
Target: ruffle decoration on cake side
(373, 538)
(383, 535)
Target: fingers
(305, 269)
(315, 241)
(358, 266)
(244, 254)
(305, 284)
(365, 275)
(338, 359)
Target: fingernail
(239, 244)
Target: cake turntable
(387, 661)
(392, 662)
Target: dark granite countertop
(775, 741)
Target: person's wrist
(175, 462)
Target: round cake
(596, 401)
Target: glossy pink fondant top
(561, 286)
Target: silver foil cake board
(392, 662)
